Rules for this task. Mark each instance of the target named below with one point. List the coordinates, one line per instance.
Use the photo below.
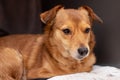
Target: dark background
(22, 17)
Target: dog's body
(65, 47)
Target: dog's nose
(83, 51)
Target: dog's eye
(66, 31)
(87, 30)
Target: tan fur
(11, 64)
(53, 53)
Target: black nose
(83, 51)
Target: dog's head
(70, 30)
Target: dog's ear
(90, 12)
(49, 15)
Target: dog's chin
(79, 58)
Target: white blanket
(98, 73)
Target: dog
(66, 46)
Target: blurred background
(22, 17)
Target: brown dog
(66, 46)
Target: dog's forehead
(72, 15)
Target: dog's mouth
(81, 57)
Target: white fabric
(98, 73)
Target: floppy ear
(91, 13)
(48, 16)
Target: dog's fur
(53, 53)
